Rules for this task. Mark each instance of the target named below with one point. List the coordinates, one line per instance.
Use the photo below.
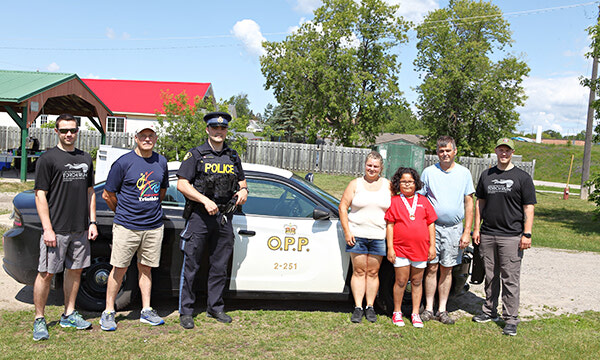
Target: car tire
(92, 291)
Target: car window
(276, 199)
(173, 197)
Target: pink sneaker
(416, 320)
(397, 319)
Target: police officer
(213, 182)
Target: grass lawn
(552, 161)
(15, 187)
(302, 335)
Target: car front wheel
(92, 291)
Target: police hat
(217, 118)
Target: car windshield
(316, 190)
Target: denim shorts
(368, 246)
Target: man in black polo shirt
(505, 202)
(212, 180)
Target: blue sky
(219, 42)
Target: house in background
(134, 102)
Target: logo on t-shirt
(149, 189)
(503, 186)
(75, 172)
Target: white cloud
(414, 10)
(558, 104)
(248, 31)
(307, 6)
(92, 76)
(110, 33)
(125, 36)
(53, 67)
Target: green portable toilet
(399, 153)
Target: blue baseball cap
(217, 118)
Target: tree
(402, 120)
(181, 126)
(283, 122)
(465, 93)
(242, 105)
(338, 71)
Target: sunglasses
(65, 131)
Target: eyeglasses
(66, 130)
(407, 182)
(143, 137)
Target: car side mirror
(320, 213)
(309, 177)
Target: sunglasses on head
(64, 131)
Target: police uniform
(216, 175)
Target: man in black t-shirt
(505, 202)
(66, 203)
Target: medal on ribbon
(411, 209)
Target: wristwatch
(527, 235)
(245, 188)
(93, 223)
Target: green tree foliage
(402, 121)
(242, 105)
(339, 71)
(471, 85)
(284, 122)
(48, 125)
(594, 32)
(182, 127)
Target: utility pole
(587, 149)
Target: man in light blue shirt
(449, 188)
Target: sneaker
(149, 316)
(370, 314)
(483, 318)
(444, 318)
(74, 320)
(510, 329)
(107, 321)
(427, 315)
(40, 330)
(357, 315)
(186, 321)
(416, 320)
(397, 319)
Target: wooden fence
(10, 138)
(478, 165)
(307, 157)
(292, 156)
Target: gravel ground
(552, 282)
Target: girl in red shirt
(410, 234)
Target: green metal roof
(17, 86)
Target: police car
(289, 244)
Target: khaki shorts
(72, 251)
(126, 243)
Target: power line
(514, 13)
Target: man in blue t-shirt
(135, 186)
(449, 188)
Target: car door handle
(247, 232)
